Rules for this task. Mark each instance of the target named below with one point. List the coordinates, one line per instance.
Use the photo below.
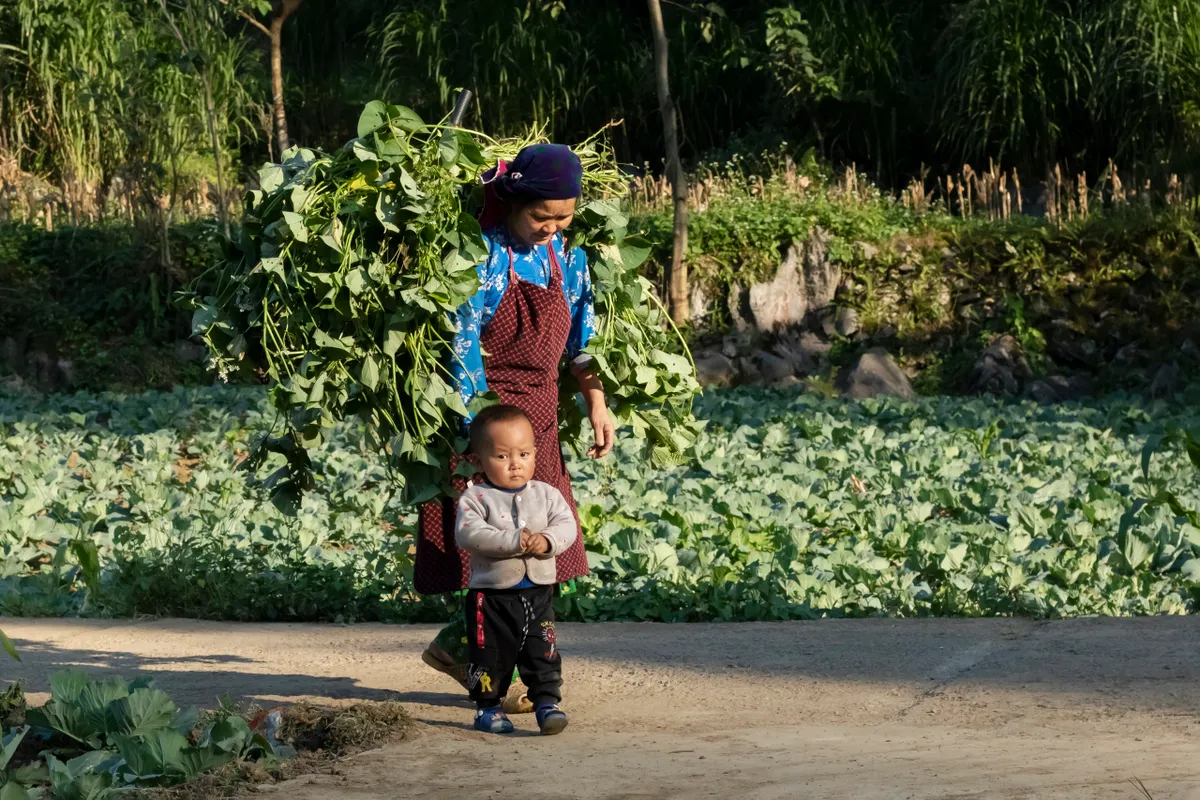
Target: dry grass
(321, 735)
(344, 731)
(994, 194)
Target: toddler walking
(512, 527)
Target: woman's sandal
(439, 659)
(516, 702)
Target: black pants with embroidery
(507, 628)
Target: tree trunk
(281, 132)
(677, 278)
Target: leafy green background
(796, 506)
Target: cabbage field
(796, 506)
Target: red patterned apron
(525, 341)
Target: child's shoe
(551, 719)
(492, 720)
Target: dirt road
(838, 709)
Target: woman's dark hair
(490, 416)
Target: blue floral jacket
(530, 264)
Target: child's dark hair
(490, 415)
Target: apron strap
(555, 269)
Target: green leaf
(231, 735)
(7, 644)
(14, 791)
(370, 372)
(634, 251)
(199, 760)
(373, 117)
(144, 711)
(1148, 451)
(448, 147)
(954, 558)
(272, 266)
(295, 224)
(1193, 448)
(393, 341)
(386, 211)
(406, 119)
(153, 755)
(9, 745)
(357, 281)
(185, 720)
(271, 177)
(287, 497)
(89, 561)
(410, 187)
(66, 686)
(342, 346)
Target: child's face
(507, 453)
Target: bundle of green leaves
(341, 285)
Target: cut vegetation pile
(99, 738)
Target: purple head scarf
(539, 172)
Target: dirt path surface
(837, 709)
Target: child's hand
(536, 544)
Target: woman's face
(536, 223)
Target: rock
(812, 344)
(13, 384)
(699, 303)
(874, 374)
(1075, 387)
(730, 347)
(787, 382)
(885, 333)
(801, 361)
(770, 367)
(1166, 381)
(737, 303)
(846, 322)
(45, 373)
(869, 251)
(66, 371)
(1128, 355)
(1080, 386)
(14, 352)
(805, 351)
(805, 283)
(1070, 348)
(1042, 392)
(190, 352)
(827, 321)
(1001, 369)
(715, 369)
(1189, 350)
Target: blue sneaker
(551, 719)
(492, 720)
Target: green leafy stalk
(341, 287)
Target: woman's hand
(606, 433)
(602, 424)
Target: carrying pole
(460, 107)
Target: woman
(533, 307)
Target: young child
(512, 527)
